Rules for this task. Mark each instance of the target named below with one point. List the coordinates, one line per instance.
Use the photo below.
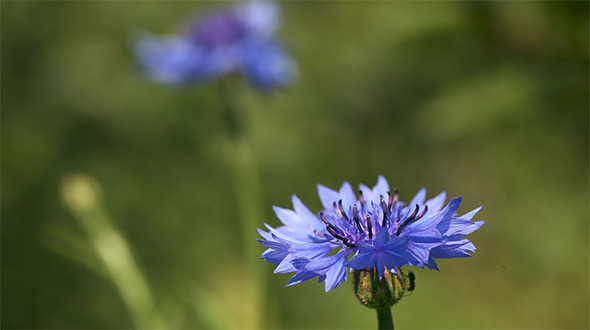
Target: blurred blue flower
(236, 40)
(374, 230)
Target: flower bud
(381, 293)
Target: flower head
(371, 230)
(236, 40)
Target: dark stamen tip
(347, 243)
(336, 210)
(315, 231)
(369, 227)
(324, 218)
(328, 224)
(351, 245)
(384, 209)
(423, 212)
(344, 240)
(411, 218)
(414, 214)
(390, 203)
(333, 232)
(355, 213)
(361, 198)
(342, 209)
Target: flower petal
(347, 195)
(380, 189)
(327, 196)
(172, 60)
(301, 276)
(469, 215)
(361, 260)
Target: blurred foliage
(487, 100)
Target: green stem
(81, 194)
(232, 116)
(248, 194)
(385, 319)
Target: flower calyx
(383, 293)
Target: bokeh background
(487, 100)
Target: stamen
(328, 224)
(344, 240)
(361, 198)
(355, 214)
(384, 208)
(369, 228)
(337, 211)
(315, 231)
(342, 209)
(347, 243)
(414, 214)
(411, 218)
(422, 214)
(335, 234)
(393, 198)
(390, 204)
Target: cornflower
(373, 231)
(238, 40)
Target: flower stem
(81, 195)
(231, 112)
(384, 318)
(249, 195)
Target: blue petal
(427, 235)
(274, 256)
(347, 195)
(267, 66)
(368, 194)
(380, 189)
(469, 215)
(447, 212)
(301, 276)
(443, 253)
(328, 196)
(287, 217)
(396, 243)
(264, 234)
(261, 17)
(286, 265)
(435, 204)
(418, 199)
(306, 214)
(273, 245)
(172, 60)
(362, 260)
(336, 274)
(364, 247)
(418, 253)
(432, 264)
(455, 249)
(382, 238)
(458, 226)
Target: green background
(487, 100)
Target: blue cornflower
(237, 40)
(372, 231)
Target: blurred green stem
(81, 194)
(384, 318)
(248, 192)
(233, 115)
